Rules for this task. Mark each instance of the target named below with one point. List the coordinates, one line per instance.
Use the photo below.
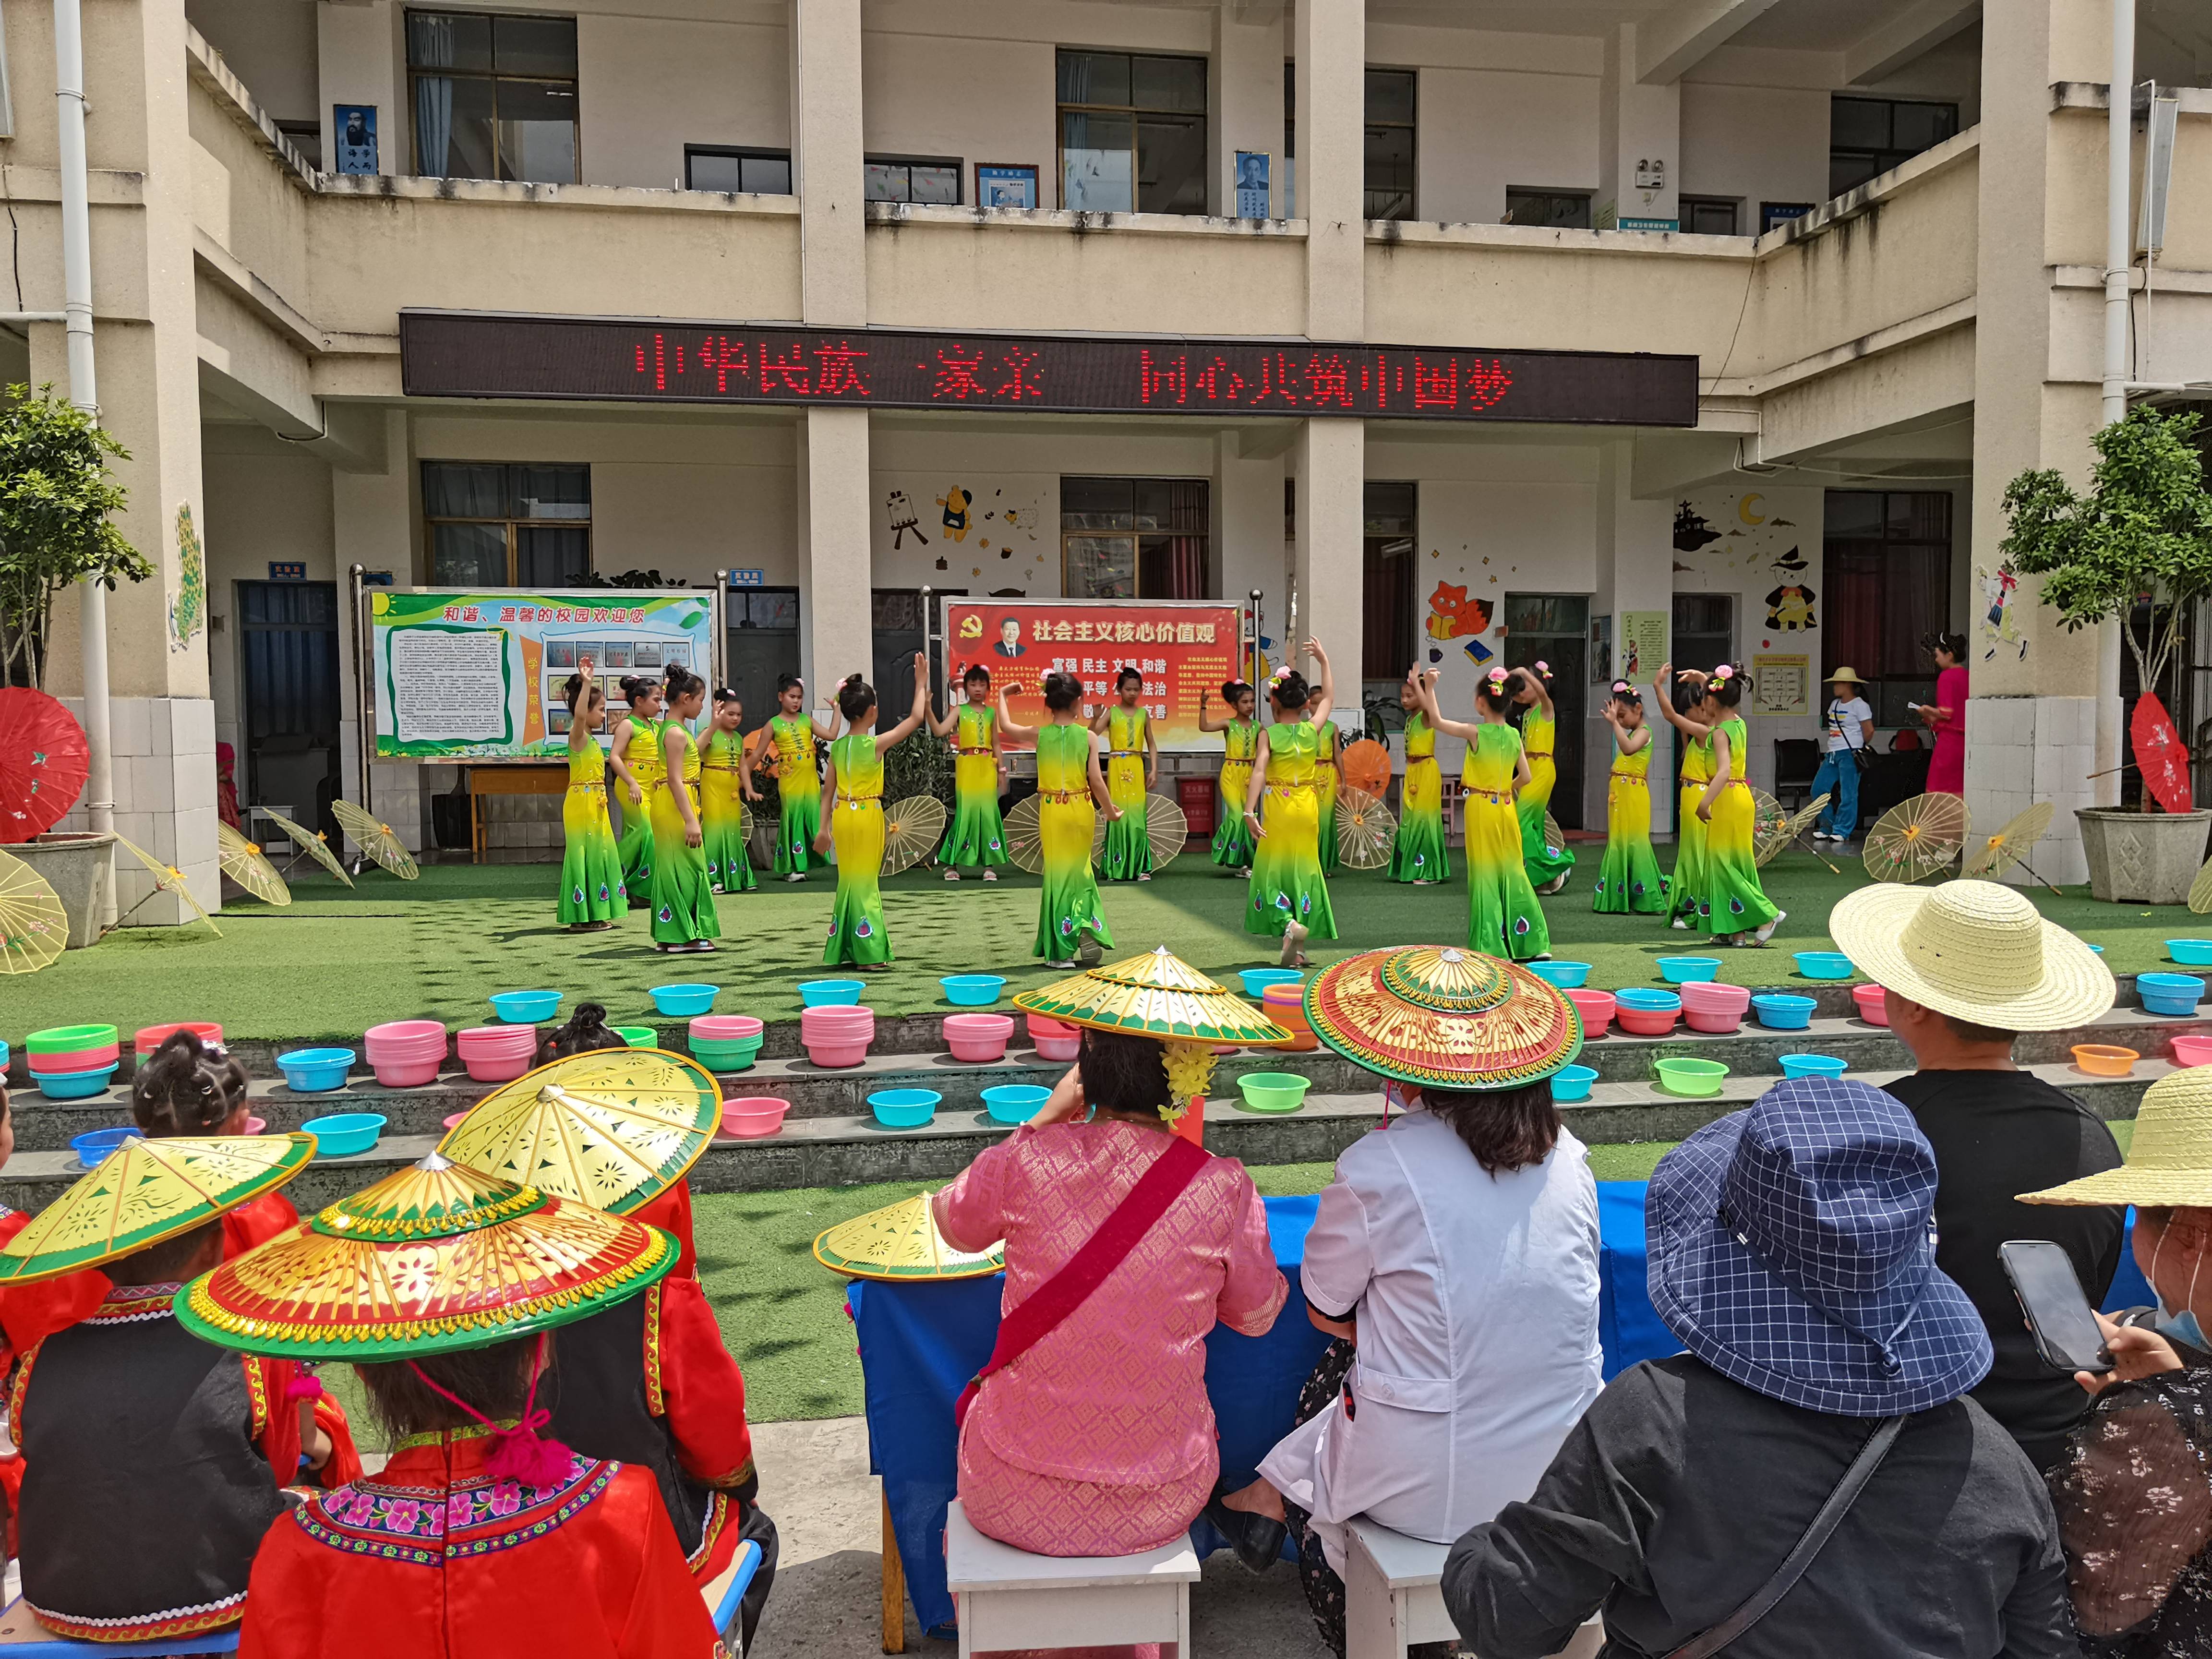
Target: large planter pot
(2142, 858)
(71, 866)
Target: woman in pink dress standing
(1099, 1439)
(1946, 717)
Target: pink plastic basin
(749, 1116)
(835, 1052)
(150, 1037)
(1596, 1009)
(1711, 993)
(405, 1073)
(1711, 1019)
(846, 1021)
(1873, 1008)
(1042, 1027)
(978, 1037)
(1645, 1022)
(454, 1122)
(497, 1068)
(254, 1126)
(77, 1059)
(726, 1027)
(400, 1030)
(2192, 1051)
(425, 1055)
(497, 1039)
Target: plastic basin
(831, 993)
(456, 1121)
(1573, 1082)
(3, 1056)
(402, 1030)
(254, 1126)
(1566, 975)
(1287, 1006)
(836, 1054)
(2192, 1051)
(978, 1037)
(1596, 1009)
(315, 1071)
(497, 1068)
(1272, 1092)
(1062, 1048)
(1654, 1001)
(748, 1117)
(2192, 952)
(1681, 970)
(722, 1059)
(148, 1038)
(72, 1085)
(83, 1060)
(904, 1109)
(66, 1039)
(2104, 1059)
(1644, 1021)
(677, 1000)
(727, 1027)
(525, 1007)
(1057, 1040)
(972, 990)
(1257, 980)
(1813, 1066)
(1693, 1078)
(1039, 1025)
(1717, 1021)
(836, 1016)
(1873, 1004)
(346, 1133)
(96, 1144)
(405, 1073)
(1822, 964)
(1780, 1012)
(2169, 993)
(496, 1040)
(638, 1036)
(1015, 1102)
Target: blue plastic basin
(1813, 1066)
(1682, 970)
(1014, 1103)
(1257, 980)
(682, 1000)
(969, 990)
(4, 1057)
(73, 1085)
(525, 1007)
(2169, 993)
(347, 1132)
(1823, 964)
(1573, 1082)
(315, 1071)
(904, 1109)
(1779, 1011)
(1566, 975)
(2193, 952)
(96, 1144)
(831, 993)
(1656, 1001)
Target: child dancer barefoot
(636, 759)
(1548, 869)
(857, 933)
(1735, 908)
(683, 916)
(1328, 778)
(592, 890)
(792, 733)
(1232, 841)
(1629, 880)
(723, 787)
(1071, 793)
(976, 836)
(1687, 890)
(1133, 761)
(1504, 917)
(1418, 853)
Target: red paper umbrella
(2159, 751)
(42, 763)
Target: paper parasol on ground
(1990, 856)
(241, 861)
(1915, 837)
(313, 842)
(2199, 890)
(1165, 828)
(900, 1241)
(613, 1129)
(1156, 995)
(1024, 830)
(43, 762)
(2160, 752)
(1364, 830)
(1366, 767)
(912, 829)
(1554, 837)
(1774, 836)
(376, 840)
(33, 926)
(167, 878)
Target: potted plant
(2136, 547)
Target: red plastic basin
(1711, 1019)
(497, 1068)
(1873, 1004)
(150, 1037)
(2192, 1051)
(1595, 1007)
(77, 1059)
(1645, 1022)
(1042, 1027)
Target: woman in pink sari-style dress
(1946, 716)
(1099, 1440)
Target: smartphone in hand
(2058, 1313)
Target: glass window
(494, 526)
(306, 137)
(1562, 209)
(738, 171)
(1135, 538)
(1132, 134)
(1868, 137)
(1388, 165)
(913, 178)
(493, 97)
(1709, 216)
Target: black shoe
(1257, 1541)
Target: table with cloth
(920, 1341)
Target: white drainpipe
(2119, 248)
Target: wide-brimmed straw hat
(1156, 995)
(1846, 674)
(1975, 950)
(1791, 1247)
(2169, 1161)
(1444, 1015)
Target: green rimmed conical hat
(1156, 995)
(432, 1258)
(1444, 1015)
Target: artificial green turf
(338, 961)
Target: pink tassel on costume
(519, 1454)
(303, 1387)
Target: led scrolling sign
(477, 355)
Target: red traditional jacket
(433, 1560)
(670, 1211)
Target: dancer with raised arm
(977, 837)
(1548, 867)
(792, 733)
(1240, 739)
(1071, 791)
(1418, 853)
(591, 892)
(1629, 882)
(1735, 909)
(1687, 890)
(855, 819)
(1132, 764)
(1505, 918)
(1290, 894)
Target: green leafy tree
(2137, 545)
(56, 497)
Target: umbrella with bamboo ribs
(1165, 828)
(2199, 890)
(43, 762)
(377, 840)
(1555, 839)
(912, 829)
(1778, 831)
(242, 861)
(1990, 856)
(1915, 837)
(1364, 830)
(1366, 766)
(1024, 830)
(167, 878)
(900, 1241)
(33, 926)
(313, 843)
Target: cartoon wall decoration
(1997, 626)
(1004, 523)
(899, 506)
(188, 610)
(1789, 607)
(1453, 615)
(1692, 529)
(955, 501)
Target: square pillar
(836, 618)
(1246, 95)
(826, 162)
(1330, 460)
(372, 526)
(1635, 572)
(1331, 116)
(1639, 144)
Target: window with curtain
(1886, 563)
(1135, 538)
(489, 524)
(1132, 133)
(495, 95)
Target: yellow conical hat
(900, 1241)
(1156, 995)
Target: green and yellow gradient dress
(683, 900)
(799, 786)
(1504, 917)
(591, 863)
(1734, 900)
(1128, 840)
(1417, 852)
(1686, 891)
(976, 838)
(857, 933)
(643, 759)
(722, 812)
(1629, 882)
(1287, 883)
(1546, 865)
(1232, 837)
(1067, 819)
(1325, 791)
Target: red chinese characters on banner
(2159, 751)
(1181, 650)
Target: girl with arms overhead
(976, 837)
(1681, 699)
(1290, 894)
(1240, 738)
(1328, 778)
(1503, 918)
(1548, 867)
(683, 916)
(1418, 853)
(1629, 880)
(1133, 761)
(1071, 793)
(855, 814)
(1735, 909)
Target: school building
(1703, 328)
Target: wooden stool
(1008, 1598)
(1393, 1596)
(22, 1637)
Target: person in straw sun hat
(1967, 966)
(1843, 750)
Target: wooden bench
(1008, 1598)
(1393, 1596)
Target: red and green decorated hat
(433, 1259)
(1444, 1015)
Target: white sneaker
(1766, 933)
(1681, 923)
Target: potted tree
(2138, 547)
(55, 497)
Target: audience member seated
(1456, 1258)
(2135, 1501)
(1091, 1433)
(1790, 1251)
(1967, 967)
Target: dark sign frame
(500, 355)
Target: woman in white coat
(1455, 1256)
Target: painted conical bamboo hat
(1444, 1015)
(1157, 995)
(614, 1129)
(900, 1241)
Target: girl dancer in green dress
(1503, 915)
(637, 759)
(1418, 853)
(1328, 778)
(1132, 762)
(1629, 881)
(683, 916)
(976, 836)
(1290, 894)
(1548, 867)
(1071, 793)
(724, 789)
(1681, 698)
(791, 734)
(855, 815)
(1232, 841)
(592, 893)
(1735, 909)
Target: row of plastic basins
(2169, 993)
(497, 1053)
(1285, 1003)
(1646, 1013)
(1708, 1006)
(837, 1035)
(405, 1053)
(726, 1042)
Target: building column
(1330, 458)
(1635, 572)
(372, 526)
(1639, 138)
(1247, 100)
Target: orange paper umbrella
(1367, 767)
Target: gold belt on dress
(1636, 778)
(1123, 754)
(1495, 796)
(861, 800)
(575, 784)
(1285, 789)
(1539, 754)
(1062, 797)
(972, 752)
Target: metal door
(288, 696)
